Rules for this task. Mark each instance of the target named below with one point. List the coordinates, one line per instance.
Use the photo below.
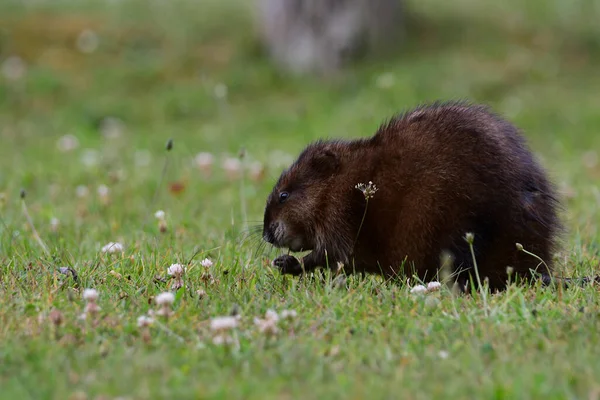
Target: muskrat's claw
(288, 265)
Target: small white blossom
(223, 323)
(54, 222)
(418, 289)
(82, 191)
(267, 326)
(368, 190)
(256, 171)
(160, 214)
(271, 315)
(206, 263)
(113, 247)
(165, 298)
(111, 127)
(433, 286)
(13, 68)
(87, 41)
(103, 190)
(90, 157)
(204, 161)
(232, 167)
(144, 321)
(223, 339)
(176, 270)
(289, 314)
(67, 143)
(443, 354)
(220, 91)
(90, 295)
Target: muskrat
(428, 180)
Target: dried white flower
(232, 167)
(418, 289)
(256, 171)
(223, 339)
(176, 270)
(54, 223)
(87, 41)
(90, 157)
(433, 286)
(220, 90)
(271, 315)
(144, 321)
(204, 161)
(160, 214)
(165, 298)
(111, 128)
(288, 314)
(206, 263)
(267, 326)
(103, 191)
(113, 247)
(368, 189)
(82, 191)
(90, 295)
(67, 143)
(13, 68)
(223, 323)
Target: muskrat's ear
(325, 162)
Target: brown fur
(441, 171)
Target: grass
(159, 68)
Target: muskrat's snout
(273, 233)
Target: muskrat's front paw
(288, 265)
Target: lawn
(92, 95)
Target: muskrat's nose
(268, 233)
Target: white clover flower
(433, 286)
(90, 295)
(165, 299)
(368, 190)
(223, 323)
(111, 128)
(418, 289)
(256, 171)
(204, 161)
(220, 90)
(113, 247)
(232, 167)
(160, 214)
(91, 308)
(176, 270)
(443, 354)
(206, 263)
(87, 41)
(67, 143)
(289, 314)
(89, 158)
(13, 68)
(267, 326)
(103, 190)
(144, 321)
(82, 191)
(54, 223)
(271, 315)
(223, 339)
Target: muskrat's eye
(283, 196)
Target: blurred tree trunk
(321, 36)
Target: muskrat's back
(441, 171)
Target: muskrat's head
(298, 205)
